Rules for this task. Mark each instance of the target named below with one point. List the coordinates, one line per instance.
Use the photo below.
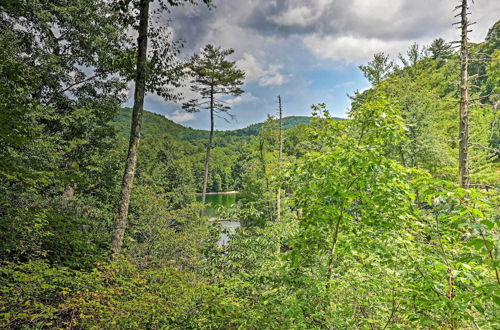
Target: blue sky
(307, 51)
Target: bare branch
(494, 150)
(484, 186)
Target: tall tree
(212, 75)
(135, 130)
(280, 156)
(463, 154)
(156, 81)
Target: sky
(307, 51)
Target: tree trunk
(130, 167)
(69, 192)
(334, 245)
(463, 155)
(207, 157)
(280, 154)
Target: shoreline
(219, 193)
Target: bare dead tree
(463, 154)
(280, 156)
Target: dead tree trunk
(280, 155)
(135, 130)
(463, 156)
(207, 157)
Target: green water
(217, 200)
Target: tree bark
(131, 164)
(207, 157)
(463, 156)
(280, 154)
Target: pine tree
(439, 49)
(212, 75)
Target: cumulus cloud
(274, 78)
(351, 49)
(254, 27)
(244, 98)
(265, 76)
(300, 13)
(353, 30)
(180, 116)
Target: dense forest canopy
(362, 223)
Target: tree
(280, 160)
(61, 84)
(414, 54)
(161, 73)
(212, 75)
(463, 153)
(439, 49)
(377, 69)
(73, 56)
(135, 130)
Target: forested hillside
(229, 147)
(386, 220)
(156, 125)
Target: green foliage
(373, 233)
(155, 125)
(439, 49)
(55, 131)
(119, 296)
(377, 69)
(212, 74)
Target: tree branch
(494, 150)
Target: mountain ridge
(155, 124)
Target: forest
(388, 219)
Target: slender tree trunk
(209, 146)
(463, 155)
(334, 245)
(130, 167)
(264, 174)
(336, 233)
(280, 155)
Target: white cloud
(244, 98)
(373, 9)
(352, 49)
(180, 116)
(275, 78)
(255, 72)
(301, 16)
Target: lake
(216, 200)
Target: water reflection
(214, 201)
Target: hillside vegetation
(363, 223)
(156, 125)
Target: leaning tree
(212, 75)
(155, 71)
